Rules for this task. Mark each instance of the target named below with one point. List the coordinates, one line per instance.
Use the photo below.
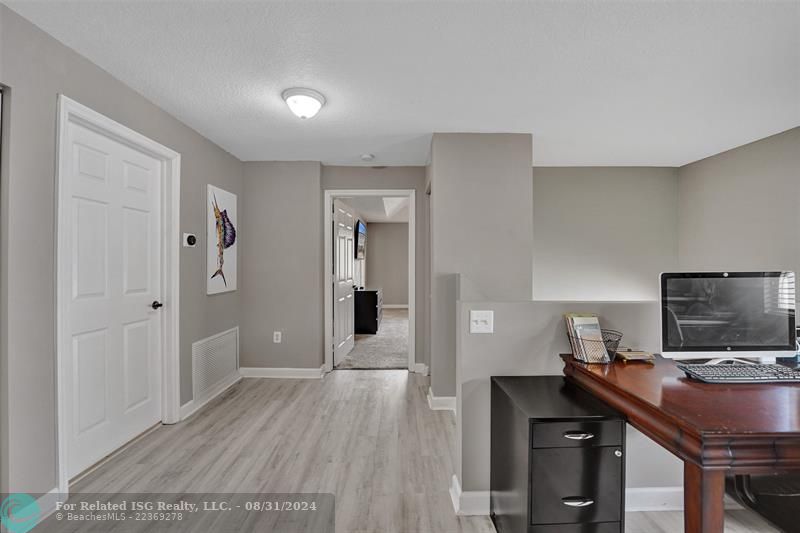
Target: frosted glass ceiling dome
(304, 103)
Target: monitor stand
(738, 361)
(729, 360)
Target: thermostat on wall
(189, 240)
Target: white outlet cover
(481, 321)
(277, 337)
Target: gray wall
(37, 68)
(343, 177)
(481, 226)
(282, 265)
(739, 210)
(603, 233)
(387, 260)
(736, 210)
(4, 399)
(527, 340)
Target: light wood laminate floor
(366, 436)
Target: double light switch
(481, 321)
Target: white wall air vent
(214, 360)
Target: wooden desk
(714, 429)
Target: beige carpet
(386, 349)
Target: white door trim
(70, 111)
(330, 195)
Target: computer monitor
(706, 315)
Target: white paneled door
(111, 193)
(343, 280)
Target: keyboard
(741, 373)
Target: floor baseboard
(195, 404)
(441, 403)
(47, 504)
(469, 503)
(282, 373)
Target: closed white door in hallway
(111, 278)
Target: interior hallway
(368, 437)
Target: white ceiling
(379, 208)
(596, 83)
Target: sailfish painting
(221, 241)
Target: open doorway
(369, 285)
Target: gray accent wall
(481, 227)
(36, 68)
(282, 265)
(387, 260)
(527, 340)
(739, 210)
(4, 398)
(603, 233)
(345, 177)
(733, 211)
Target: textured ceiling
(596, 83)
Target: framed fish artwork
(221, 241)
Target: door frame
(327, 238)
(70, 111)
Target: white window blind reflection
(780, 297)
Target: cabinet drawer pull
(578, 435)
(577, 501)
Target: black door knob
(156, 304)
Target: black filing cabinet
(557, 458)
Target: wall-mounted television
(361, 240)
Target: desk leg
(703, 495)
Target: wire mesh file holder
(596, 351)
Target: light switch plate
(481, 321)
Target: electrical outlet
(481, 321)
(277, 337)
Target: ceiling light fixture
(367, 157)
(305, 103)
